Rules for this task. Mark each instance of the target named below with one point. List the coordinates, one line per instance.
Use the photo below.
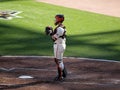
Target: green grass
(89, 35)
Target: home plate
(25, 77)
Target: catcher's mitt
(48, 30)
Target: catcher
(58, 36)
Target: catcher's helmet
(59, 18)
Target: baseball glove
(48, 30)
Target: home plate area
(37, 73)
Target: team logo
(8, 15)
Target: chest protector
(64, 34)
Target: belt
(58, 43)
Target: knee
(61, 65)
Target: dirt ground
(107, 7)
(82, 74)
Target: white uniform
(59, 45)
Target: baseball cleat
(57, 78)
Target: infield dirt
(107, 7)
(82, 74)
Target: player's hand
(48, 30)
(54, 38)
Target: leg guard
(61, 65)
(64, 72)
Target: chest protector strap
(64, 34)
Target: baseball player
(59, 37)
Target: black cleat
(57, 78)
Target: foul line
(11, 69)
(93, 83)
(88, 59)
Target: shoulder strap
(64, 34)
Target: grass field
(89, 35)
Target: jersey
(60, 42)
(60, 34)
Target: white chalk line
(6, 84)
(34, 69)
(104, 82)
(92, 83)
(87, 59)
(115, 81)
(107, 81)
(29, 69)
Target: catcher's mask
(59, 18)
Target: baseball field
(91, 36)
